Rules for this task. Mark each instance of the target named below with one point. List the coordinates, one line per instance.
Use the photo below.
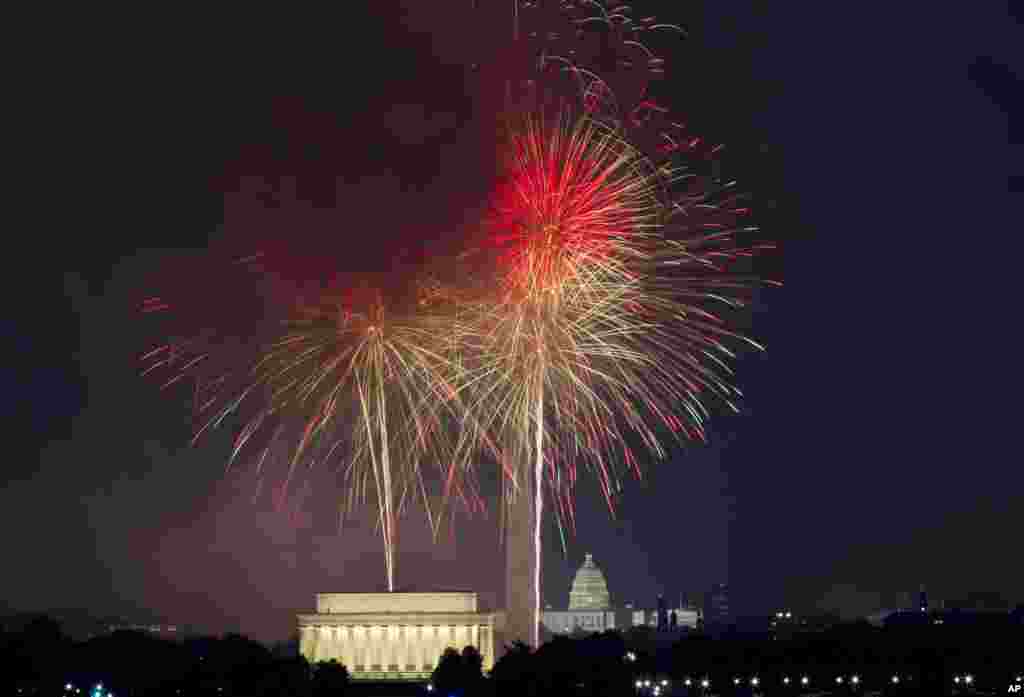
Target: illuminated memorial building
(395, 636)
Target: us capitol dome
(589, 589)
(590, 609)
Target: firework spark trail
(538, 512)
(609, 268)
(668, 261)
(388, 376)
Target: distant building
(589, 588)
(164, 631)
(589, 604)
(716, 609)
(591, 610)
(569, 621)
(686, 618)
(662, 614)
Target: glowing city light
(805, 680)
(754, 681)
(855, 679)
(895, 679)
(785, 680)
(968, 679)
(705, 682)
(689, 682)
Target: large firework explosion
(615, 259)
(342, 380)
(591, 334)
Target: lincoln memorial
(394, 636)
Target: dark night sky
(871, 457)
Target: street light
(805, 680)
(855, 679)
(895, 680)
(754, 681)
(785, 680)
(968, 679)
(705, 683)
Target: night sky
(874, 453)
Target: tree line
(39, 659)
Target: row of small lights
(804, 680)
(966, 679)
(96, 691)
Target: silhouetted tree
(329, 678)
(472, 670)
(459, 674)
(286, 676)
(514, 674)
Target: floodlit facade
(569, 621)
(589, 604)
(589, 589)
(394, 636)
(590, 608)
(686, 617)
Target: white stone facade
(394, 635)
(589, 590)
(569, 621)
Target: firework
(615, 258)
(341, 381)
(589, 332)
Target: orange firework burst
(352, 379)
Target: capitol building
(590, 608)
(589, 604)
